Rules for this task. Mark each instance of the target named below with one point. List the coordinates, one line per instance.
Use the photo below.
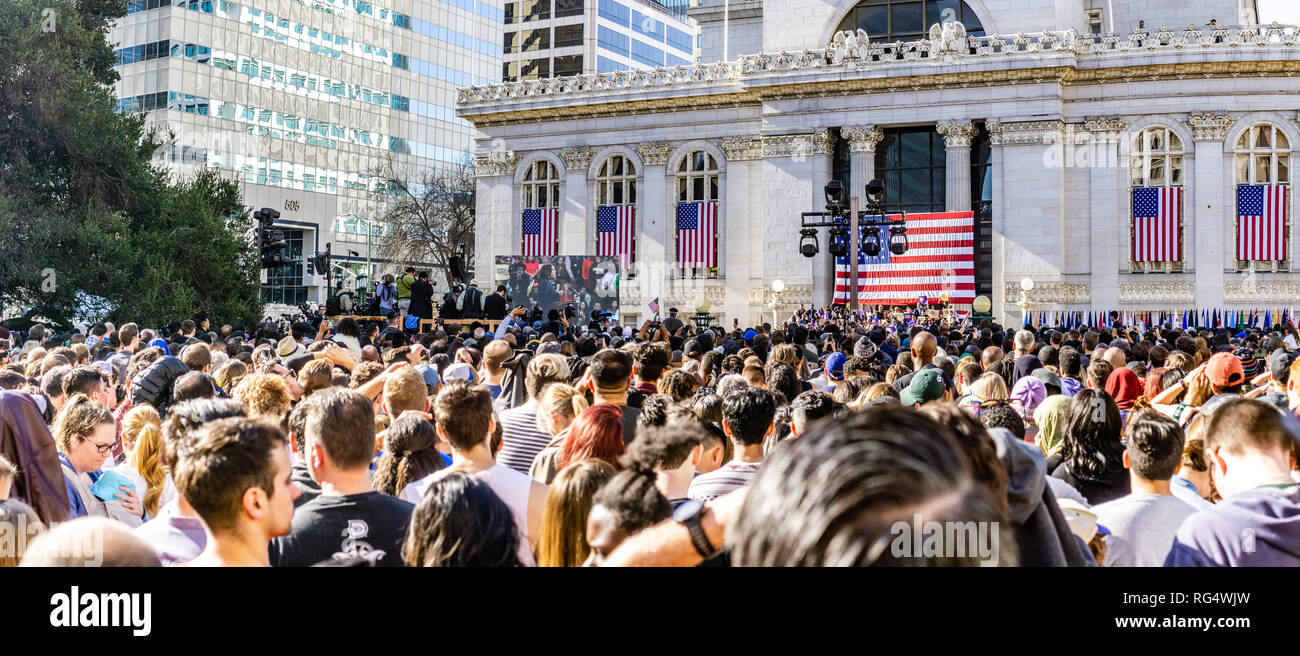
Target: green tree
(83, 211)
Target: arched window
(1156, 181)
(697, 215)
(907, 20)
(1262, 166)
(616, 210)
(541, 202)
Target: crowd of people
(558, 444)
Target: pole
(370, 268)
(726, 27)
(854, 245)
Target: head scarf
(1050, 415)
(1124, 386)
(1029, 392)
(1025, 366)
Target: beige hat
(287, 348)
(1082, 521)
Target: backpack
(412, 322)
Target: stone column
(576, 218)
(494, 204)
(655, 221)
(1209, 249)
(743, 223)
(795, 171)
(957, 136)
(1104, 240)
(862, 157)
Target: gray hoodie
(1043, 537)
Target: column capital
(957, 134)
(1103, 127)
(797, 145)
(1209, 126)
(742, 148)
(576, 158)
(498, 162)
(863, 138)
(654, 153)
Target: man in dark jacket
(496, 305)
(448, 308)
(422, 296)
(471, 303)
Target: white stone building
(1041, 120)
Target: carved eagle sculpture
(947, 38)
(849, 45)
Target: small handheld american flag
(654, 307)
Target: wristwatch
(688, 514)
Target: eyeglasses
(103, 448)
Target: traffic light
(271, 243)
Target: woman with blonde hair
(84, 433)
(229, 375)
(559, 406)
(990, 386)
(568, 502)
(142, 442)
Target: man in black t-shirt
(349, 520)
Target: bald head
(924, 346)
(496, 352)
(991, 354)
(369, 354)
(90, 542)
(1115, 357)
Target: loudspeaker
(457, 266)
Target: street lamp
(702, 318)
(1026, 286)
(778, 286)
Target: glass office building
(304, 101)
(555, 38)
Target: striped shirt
(731, 476)
(520, 439)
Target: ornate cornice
(500, 162)
(1103, 127)
(1050, 293)
(792, 295)
(1257, 291)
(957, 134)
(1025, 132)
(742, 149)
(1166, 291)
(797, 145)
(576, 158)
(863, 138)
(654, 153)
(1208, 126)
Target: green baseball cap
(926, 385)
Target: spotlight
(871, 241)
(834, 196)
(898, 240)
(808, 242)
(839, 242)
(875, 189)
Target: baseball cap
(457, 371)
(429, 373)
(1224, 370)
(835, 365)
(1279, 363)
(749, 334)
(1081, 520)
(926, 385)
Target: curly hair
(678, 384)
(264, 395)
(77, 420)
(1091, 449)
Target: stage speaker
(457, 266)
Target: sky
(1286, 12)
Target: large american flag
(539, 232)
(940, 259)
(1157, 221)
(1261, 222)
(614, 231)
(696, 243)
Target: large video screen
(583, 282)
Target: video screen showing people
(577, 283)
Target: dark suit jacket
(495, 307)
(422, 299)
(473, 308)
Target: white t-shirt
(1291, 342)
(511, 486)
(1142, 528)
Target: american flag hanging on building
(1261, 222)
(940, 259)
(696, 241)
(539, 232)
(614, 231)
(843, 276)
(1157, 224)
